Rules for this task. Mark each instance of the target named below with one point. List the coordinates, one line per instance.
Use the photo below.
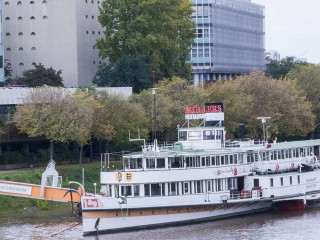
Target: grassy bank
(68, 173)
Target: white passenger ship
(202, 177)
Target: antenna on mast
(264, 120)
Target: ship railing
(161, 146)
(245, 194)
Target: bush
(11, 158)
(43, 156)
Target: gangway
(50, 188)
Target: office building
(57, 33)
(230, 39)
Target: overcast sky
(293, 27)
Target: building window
(194, 53)
(8, 34)
(19, 18)
(33, 34)
(206, 52)
(200, 53)
(45, 17)
(199, 33)
(44, 2)
(86, 16)
(206, 33)
(92, 32)
(8, 49)
(32, 18)
(19, 3)
(20, 49)
(33, 49)
(8, 64)
(20, 34)
(31, 2)
(21, 64)
(6, 3)
(7, 18)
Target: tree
(255, 95)
(55, 114)
(114, 117)
(280, 69)
(127, 71)
(41, 76)
(161, 31)
(308, 79)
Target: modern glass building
(1, 46)
(230, 39)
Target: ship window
(256, 182)
(174, 163)
(232, 184)
(194, 135)
(222, 160)
(231, 159)
(209, 135)
(203, 161)
(281, 181)
(198, 188)
(188, 161)
(135, 163)
(196, 161)
(271, 156)
(235, 159)
(218, 185)
(271, 182)
(279, 155)
(136, 189)
(209, 186)
(183, 136)
(160, 163)
(156, 189)
(208, 161)
(147, 190)
(126, 191)
(116, 191)
(213, 161)
(218, 160)
(186, 188)
(150, 163)
(173, 189)
(227, 160)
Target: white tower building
(57, 33)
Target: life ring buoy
(292, 165)
(242, 193)
(277, 167)
(235, 171)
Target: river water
(32, 224)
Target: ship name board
(10, 188)
(212, 108)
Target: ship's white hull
(98, 221)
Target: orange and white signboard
(10, 188)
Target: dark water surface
(32, 224)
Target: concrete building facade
(230, 39)
(57, 33)
(1, 46)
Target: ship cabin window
(173, 189)
(232, 184)
(209, 135)
(186, 188)
(209, 186)
(160, 163)
(183, 136)
(281, 181)
(256, 182)
(222, 160)
(174, 162)
(279, 154)
(271, 182)
(249, 157)
(301, 152)
(151, 163)
(126, 191)
(293, 153)
(194, 135)
(155, 189)
(135, 163)
(205, 161)
(215, 161)
(198, 187)
(218, 185)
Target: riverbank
(68, 173)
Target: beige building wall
(57, 33)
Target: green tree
(308, 79)
(277, 70)
(261, 96)
(55, 114)
(41, 76)
(127, 71)
(161, 31)
(114, 117)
